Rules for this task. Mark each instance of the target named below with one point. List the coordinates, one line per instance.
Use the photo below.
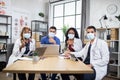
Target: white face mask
(51, 34)
(71, 36)
(27, 35)
(90, 36)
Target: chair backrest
(9, 50)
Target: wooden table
(48, 65)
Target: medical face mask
(90, 36)
(51, 34)
(27, 35)
(71, 36)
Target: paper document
(25, 58)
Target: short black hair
(91, 27)
(53, 27)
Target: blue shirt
(45, 40)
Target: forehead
(52, 29)
(71, 31)
(89, 30)
(26, 30)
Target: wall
(33, 6)
(98, 9)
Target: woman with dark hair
(72, 41)
(73, 44)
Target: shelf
(4, 24)
(38, 21)
(114, 65)
(113, 76)
(115, 53)
(4, 37)
(3, 51)
(107, 28)
(5, 15)
(39, 31)
(112, 40)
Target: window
(66, 13)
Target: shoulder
(102, 41)
(33, 40)
(56, 38)
(18, 40)
(44, 37)
(77, 39)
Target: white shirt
(99, 57)
(16, 53)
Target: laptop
(40, 50)
(51, 50)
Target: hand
(90, 65)
(70, 42)
(51, 40)
(67, 53)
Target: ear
(55, 32)
(95, 33)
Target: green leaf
(65, 28)
(35, 54)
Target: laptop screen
(51, 49)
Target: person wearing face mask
(22, 47)
(72, 44)
(95, 55)
(72, 41)
(50, 39)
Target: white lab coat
(77, 45)
(16, 54)
(99, 57)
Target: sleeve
(58, 41)
(81, 53)
(104, 56)
(42, 40)
(78, 45)
(33, 44)
(15, 53)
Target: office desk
(49, 65)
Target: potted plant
(64, 30)
(41, 14)
(35, 57)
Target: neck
(71, 39)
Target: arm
(15, 53)
(42, 40)
(104, 56)
(56, 40)
(33, 41)
(77, 45)
(81, 53)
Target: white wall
(98, 9)
(33, 6)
